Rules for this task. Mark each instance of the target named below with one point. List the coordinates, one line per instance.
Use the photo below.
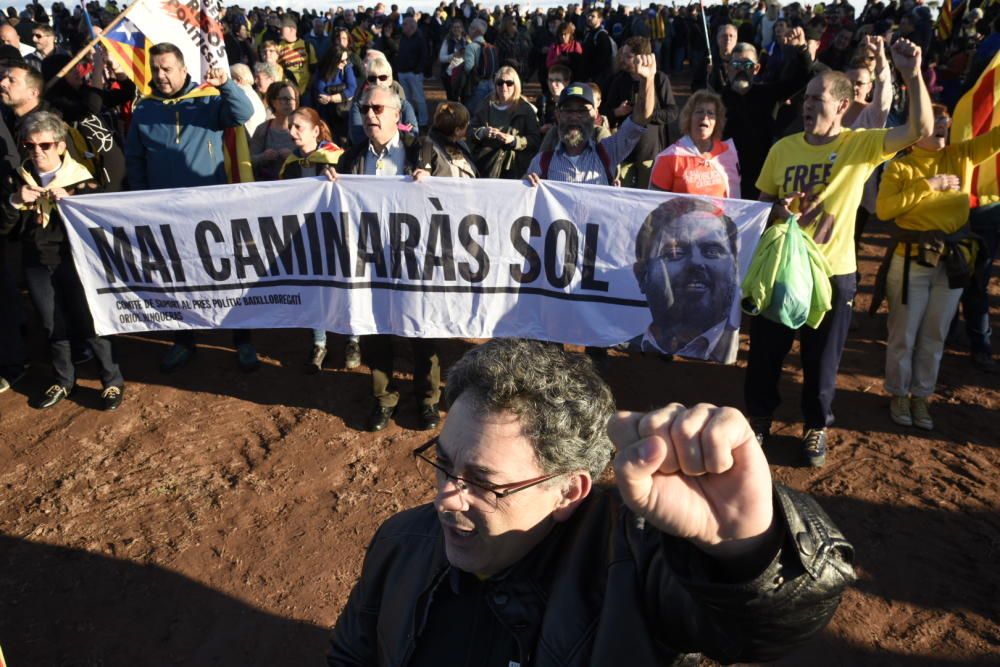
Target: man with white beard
(577, 158)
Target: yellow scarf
(71, 173)
(326, 153)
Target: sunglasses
(378, 77)
(376, 108)
(505, 82)
(43, 145)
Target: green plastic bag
(791, 297)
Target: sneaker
(111, 398)
(984, 361)
(315, 363)
(352, 354)
(921, 415)
(899, 410)
(761, 428)
(52, 396)
(246, 358)
(814, 447)
(177, 356)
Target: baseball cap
(577, 91)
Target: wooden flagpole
(87, 49)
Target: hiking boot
(814, 447)
(315, 363)
(899, 410)
(352, 354)
(984, 361)
(178, 355)
(921, 415)
(761, 428)
(111, 398)
(246, 358)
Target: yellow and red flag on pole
(951, 10)
(129, 48)
(977, 113)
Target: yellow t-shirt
(833, 176)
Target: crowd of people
(837, 118)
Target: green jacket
(758, 284)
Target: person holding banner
(314, 150)
(389, 152)
(50, 174)
(523, 558)
(821, 172)
(577, 157)
(161, 152)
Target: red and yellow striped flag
(977, 113)
(948, 17)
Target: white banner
(192, 26)
(581, 264)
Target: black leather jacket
(603, 589)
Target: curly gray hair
(563, 405)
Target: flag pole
(93, 42)
(704, 23)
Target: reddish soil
(220, 518)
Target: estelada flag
(976, 114)
(129, 48)
(950, 11)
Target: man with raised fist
(523, 559)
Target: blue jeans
(984, 221)
(413, 86)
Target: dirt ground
(220, 518)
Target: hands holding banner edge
(699, 474)
(331, 174)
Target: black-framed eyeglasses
(489, 494)
(743, 64)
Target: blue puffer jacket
(177, 142)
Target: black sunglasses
(44, 145)
(378, 77)
(377, 108)
(505, 82)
